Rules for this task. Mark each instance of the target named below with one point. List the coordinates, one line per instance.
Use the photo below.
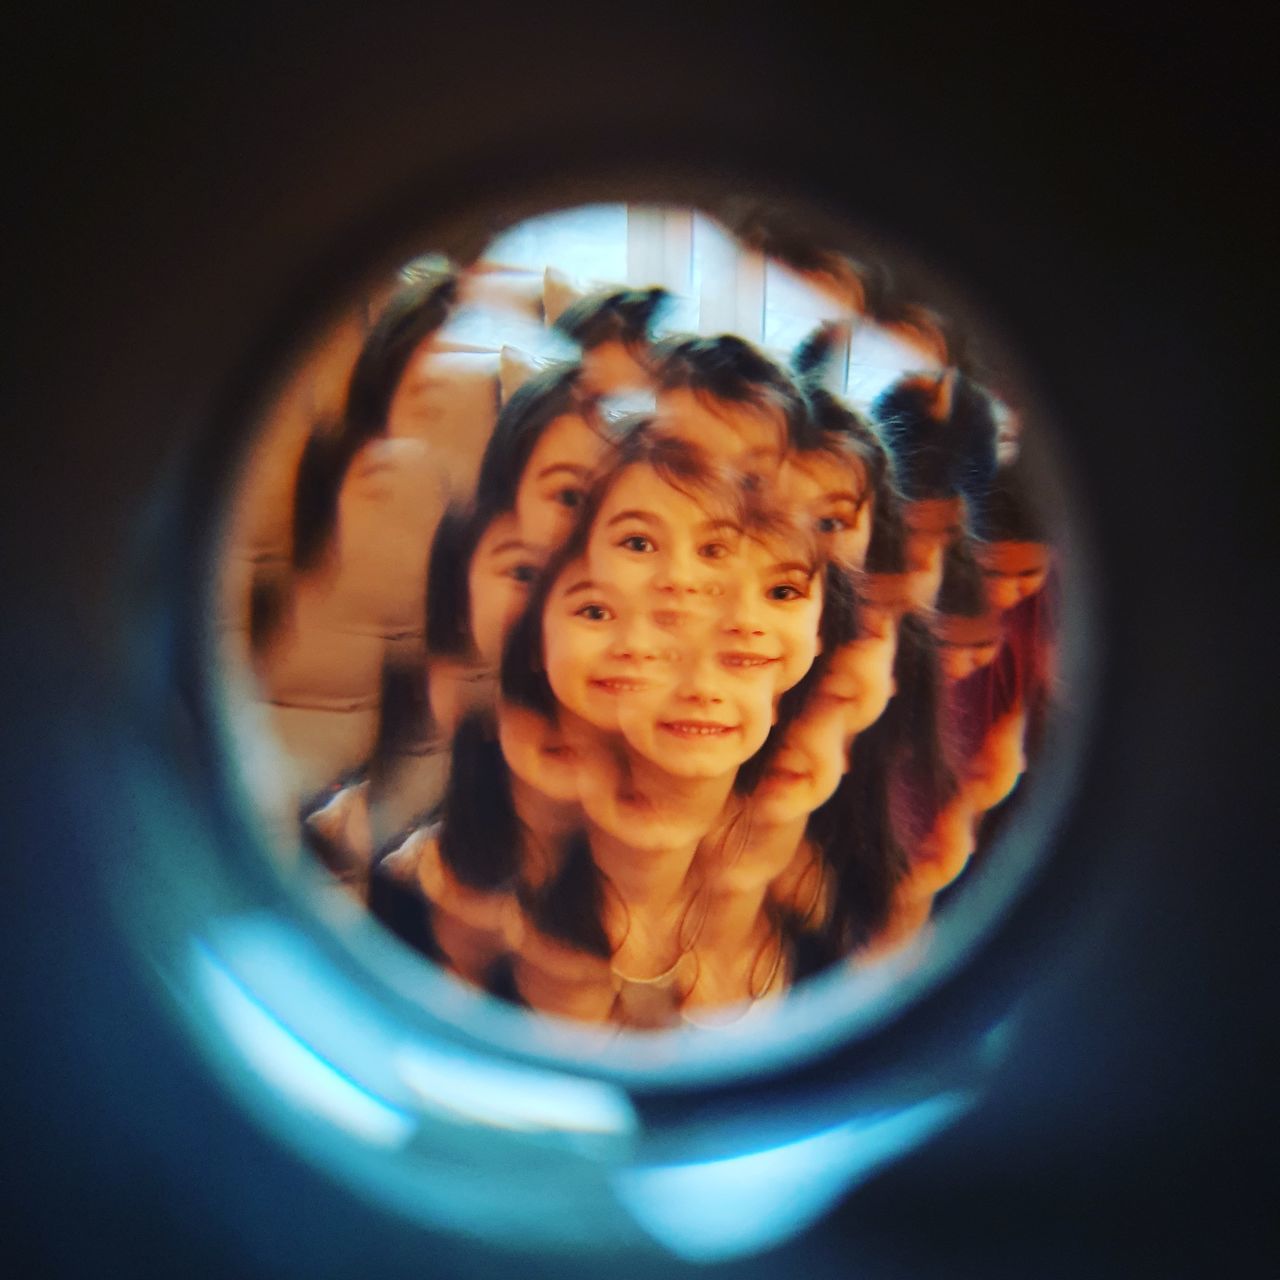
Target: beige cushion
(559, 293)
(321, 745)
(449, 400)
(515, 368)
(372, 586)
(262, 519)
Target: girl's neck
(646, 879)
(691, 799)
(758, 852)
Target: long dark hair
(613, 315)
(857, 841)
(479, 833)
(569, 907)
(415, 310)
(1008, 512)
(448, 595)
(962, 591)
(861, 835)
(938, 457)
(547, 395)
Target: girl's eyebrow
(711, 526)
(579, 587)
(513, 544)
(792, 566)
(844, 495)
(572, 467)
(647, 516)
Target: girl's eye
(713, 551)
(523, 572)
(569, 497)
(637, 542)
(594, 613)
(832, 524)
(836, 699)
(784, 591)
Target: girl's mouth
(693, 729)
(745, 661)
(620, 685)
(786, 776)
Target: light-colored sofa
(316, 690)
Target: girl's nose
(742, 613)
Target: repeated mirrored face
(751, 438)
(834, 496)
(933, 524)
(994, 770)
(805, 771)
(891, 594)
(705, 723)
(601, 646)
(859, 675)
(502, 571)
(537, 752)
(674, 642)
(771, 612)
(966, 645)
(651, 539)
(555, 480)
(1013, 571)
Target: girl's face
(860, 674)
(702, 724)
(600, 648)
(536, 752)
(998, 764)
(835, 496)
(933, 524)
(555, 480)
(502, 569)
(966, 645)
(1014, 571)
(749, 437)
(771, 613)
(652, 539)
(808, 766)
(902, 593)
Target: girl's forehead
(642, 487)
(766, 547)
(738, 428)
(1013, 557)
(502, 534)
(933, 515)
(567, 432)
(821, 472)
(574, 572)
